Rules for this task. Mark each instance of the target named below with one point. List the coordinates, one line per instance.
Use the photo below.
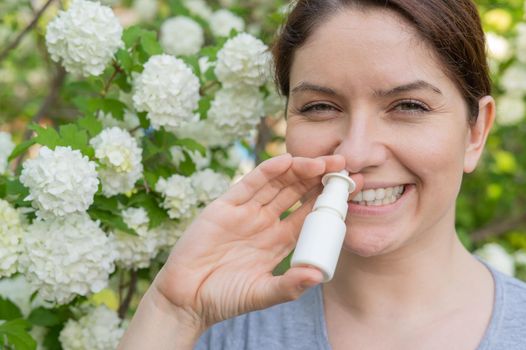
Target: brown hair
(451, 27)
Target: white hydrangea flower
(136, 218)
(11, 232)
(203, 131)
(223, 21)
(243, 60)
(236, 112)
(181, 36)
(198, 8)
(130, 120)
(520, 257)
(19, 291)
(179, 195)
(511, 109)
(99, 329)
(514, 78)
(499, 48)
(6, 147)
(168, 90)
(134, 252)
(521, 42)
(167, 234)
(209, 185)
(199, 160)
(496, 256)
(274, 102)
(146, 10)
(67, 256)
(84, 38)
(120, 157)
(60, 182)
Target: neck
(422, 278)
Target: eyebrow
(416, 85)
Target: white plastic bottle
(323, 230)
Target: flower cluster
(6, 147)
(120, 157)
(135, 251)
(99, 329)
(181, 36)
(209, 185)
(198, 8)
(67, 256)
(179, 197)
(168, 90)
(11, 232)
(223, 21)
(236, 112)
(199, 160)
(243, 61)
(60, 182)
(84, 38)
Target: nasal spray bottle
(323, 230)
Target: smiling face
(364, 85)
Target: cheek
(308, 139)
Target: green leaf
(192, 145)
(156, 215)
(110, 220)
(131, 35)
(72, 136)
(204, 105)
(193, 63)
(8, 310)
(44, 317)
(91, 124)
(110, 204)
(115, 107)
(125, 60)
(149, 43)
(51, 341)
(122, 82)
(187, 167)
(17, 192)
(178, 8)
(46, 136)
(20, 149)
(15, 331)
(143, 120)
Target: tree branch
(125, 304)
(498, 228)
(30, 26)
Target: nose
(362, 143)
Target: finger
(291, 194)
(252, 182)
(290, 286)
(302, 169)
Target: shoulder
(508, 323)
(292, 325)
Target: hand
(222, 266)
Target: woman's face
(365, 86)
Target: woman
(397, 93)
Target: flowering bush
(145, 116)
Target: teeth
(379, 196)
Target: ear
(478, 133)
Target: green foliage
(14, 333)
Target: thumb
(291, 285)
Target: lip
(362, 210)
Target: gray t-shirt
(300, 324)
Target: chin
(371, 242)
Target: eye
(317, 107)
(411, 106)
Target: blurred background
(491, 210)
